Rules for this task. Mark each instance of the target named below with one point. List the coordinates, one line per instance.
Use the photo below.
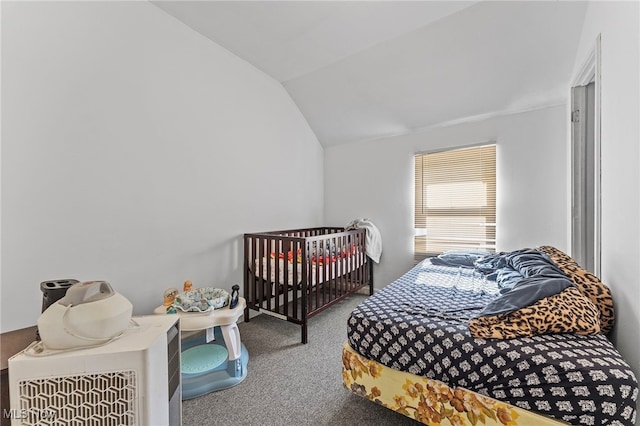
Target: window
(455, 200)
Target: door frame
(590, 72)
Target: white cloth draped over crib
(374, 239)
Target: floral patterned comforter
(429, 401)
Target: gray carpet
(289, 383)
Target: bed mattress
(419, 324)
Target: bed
(296, 274)
(456, 340)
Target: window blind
(455, 200)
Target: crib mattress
(419, 324)
(286, 275)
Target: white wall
(375, 180)
(136, 151)
(618, 24)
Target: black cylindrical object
(52, 291)
(234, 296)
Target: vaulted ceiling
(361, 70)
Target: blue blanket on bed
(532, 276)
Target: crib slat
(246, 277)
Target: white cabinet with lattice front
(134, 380)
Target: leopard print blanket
(585, 308)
